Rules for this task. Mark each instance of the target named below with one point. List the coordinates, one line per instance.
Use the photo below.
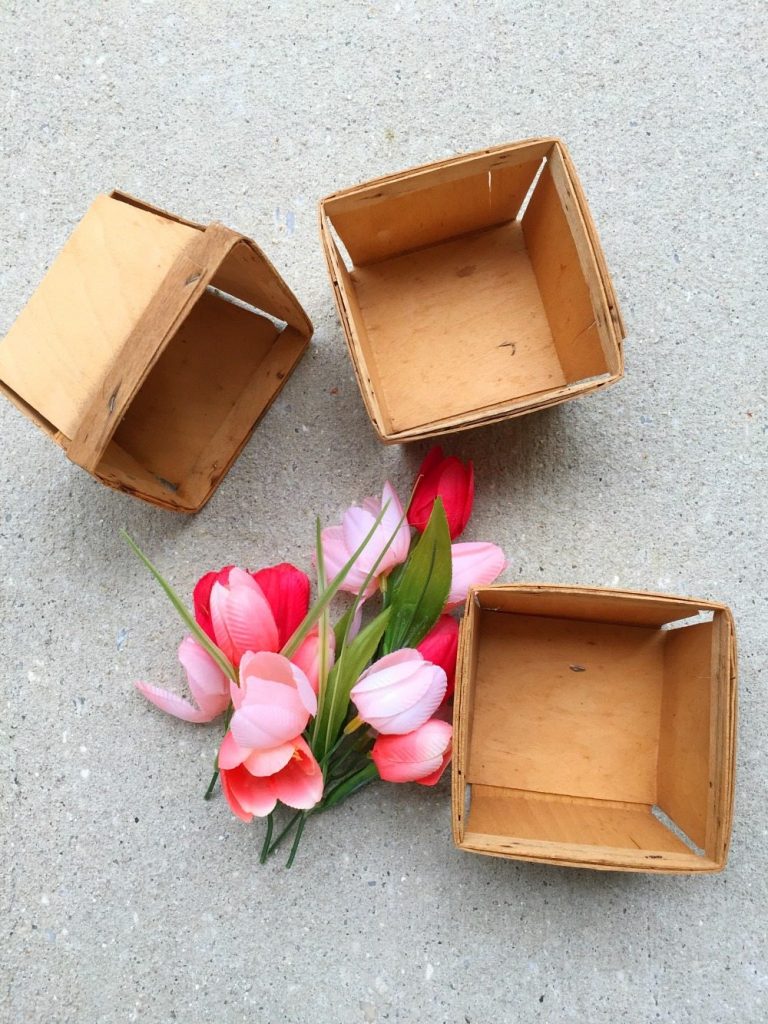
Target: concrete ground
(125, 896)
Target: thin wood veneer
(465, 300)
(151, 349)
(580, 711)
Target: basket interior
(471, 292)
(594, 733)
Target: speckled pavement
(125, 896)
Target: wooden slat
(67, 336)
(552, 818)
(132, 361)
(684, 747)
(435, 213)
(566, 706)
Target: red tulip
(440, 646)
(446, 478)
(285, 588)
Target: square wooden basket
(472, 290)
(595, 728)
(151, 348)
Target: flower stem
(283, 834)
(212, 783)
(297, 839)
(267, 839)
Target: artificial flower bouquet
(313, 711)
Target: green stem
(267, 839)
(297, 839)
(212, 783)
(284, 833)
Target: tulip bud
(340, 542)
(446, 478)
(399, 692)
(419, 756)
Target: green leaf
(330, 592)
(323, 624)
(202, 638)
(354, 657)
(349, 786)
(419, 594)
(341, 627)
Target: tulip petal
(307, 657)
(300, 783)
(268, 762)
(209, 685)
(201, 598)
(398, 550)
(242, 618)
(172, 704)
(231, 754)
(251, 795)
(440, 646)
(266, 665)
(437, 774)
(431, 461)
(229, 796)
(473, 564)
(271, 714)
(286, 589)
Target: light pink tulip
(399, 692)
(242, 617)
(307, 657)
(254, 780)
(273, 702)
(473, 564)
(419, 756)
(207, 683)
(340, 542)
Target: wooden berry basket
(472, 290)
(151, 349)
(595, 728)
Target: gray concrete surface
(126, 898)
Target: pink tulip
(399, 692)
(254, 780)
(340, 542)
(241, 616)
(208, 684)
(440, 646)
(307, 657)
(473, 564)
(419, 756)
(273, 702)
